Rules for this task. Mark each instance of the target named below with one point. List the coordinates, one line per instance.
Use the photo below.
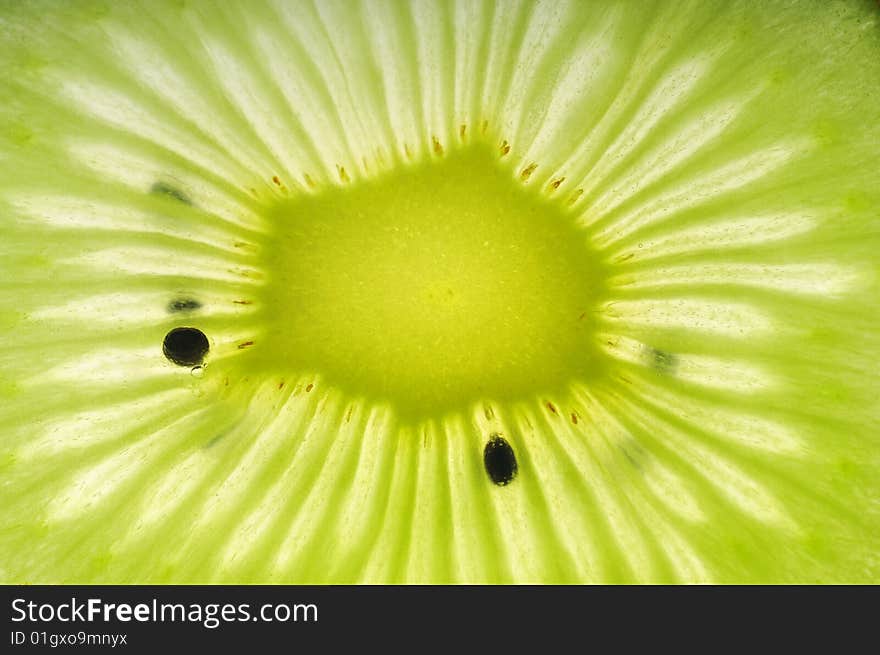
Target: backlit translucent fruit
(439, 291)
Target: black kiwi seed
(184, 305)
(185, 346)
(165, 189)
(499, 460)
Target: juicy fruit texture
(491, 292)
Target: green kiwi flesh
(488, 292)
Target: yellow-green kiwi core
(432, 287)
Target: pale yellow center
(431, 287)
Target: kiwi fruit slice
(436, 291)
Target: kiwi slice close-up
(442, 291)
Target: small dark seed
(499, 460)
(185, 346)
(663, 361)
(629, 457)
(184, 305)
(213, 441)
(165, 189)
